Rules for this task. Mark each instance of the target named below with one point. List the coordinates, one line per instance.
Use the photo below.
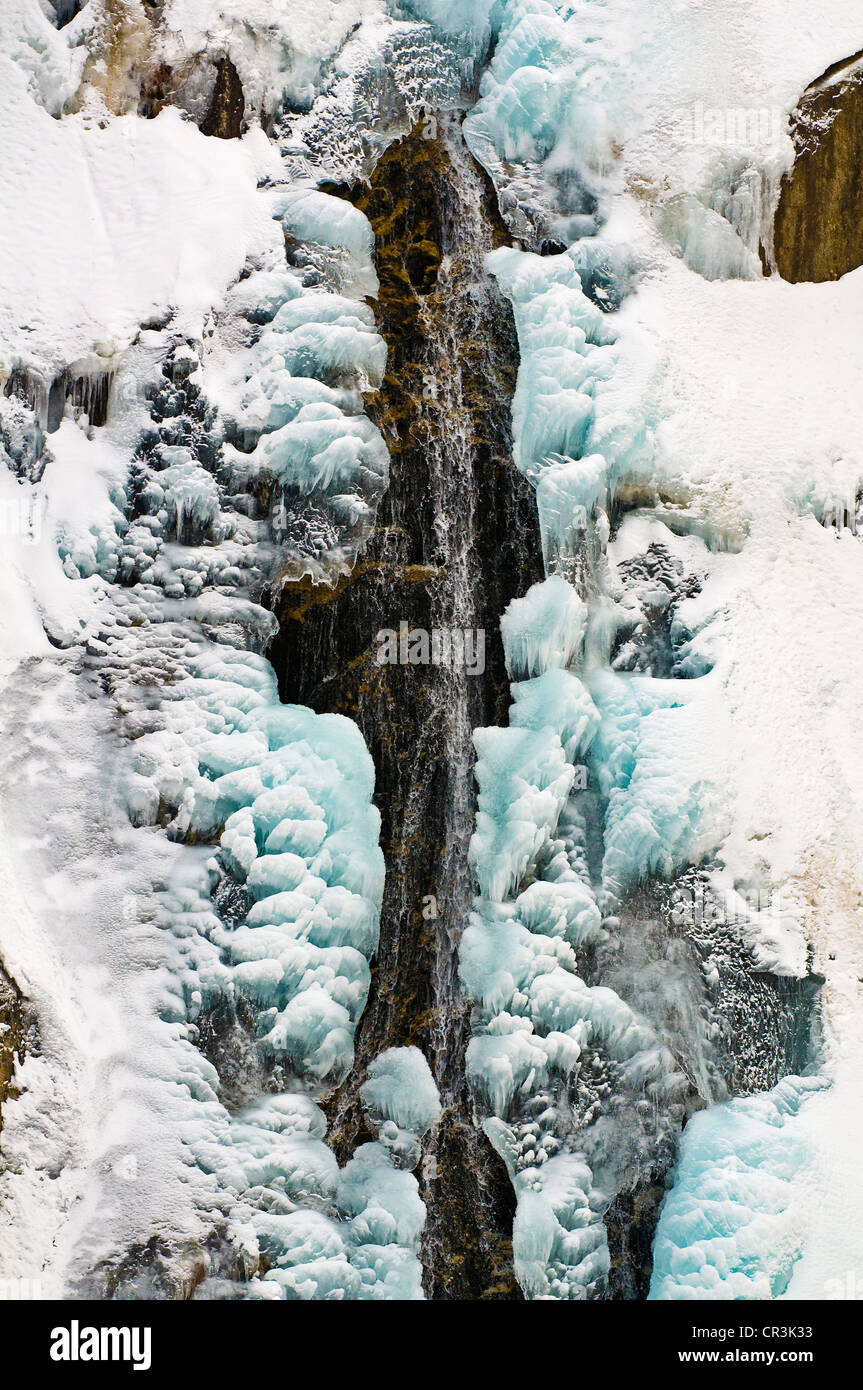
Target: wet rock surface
(456, 539)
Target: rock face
(65, 11)
(225, 116)
(818, 231)
(457, 538)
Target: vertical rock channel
(456, 539)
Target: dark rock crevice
(457, 538)
(225, 117)
(17, 1037)
(65, 11)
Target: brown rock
(818, 231)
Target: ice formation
(599, 423)
(262, 919)
(191, 867)
(537, 907)
(730, 1228)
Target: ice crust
(731, 1226)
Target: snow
(634, 98)
(122, 222)
(282, 49)
(150, 216)
(755, 446)
(747, 424)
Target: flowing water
(456, 539)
